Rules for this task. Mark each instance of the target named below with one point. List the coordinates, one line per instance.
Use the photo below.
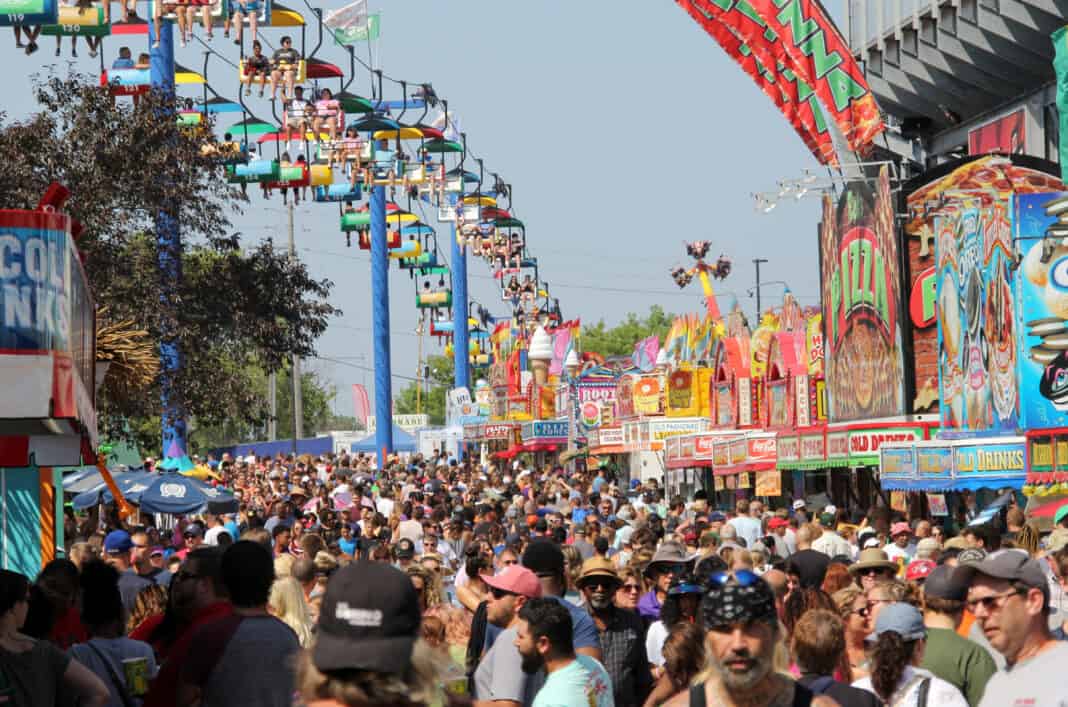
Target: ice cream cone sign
(540, 355)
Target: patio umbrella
(131, 484)
(178, 494)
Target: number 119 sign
(28, 12)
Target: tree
(619, 340)
(317, 397)
(435, 390)
(236, 309)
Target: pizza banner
(861, 285)
(809, 43)
(794, 99)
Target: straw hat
(872, 558)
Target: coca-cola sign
(762, 449)
(704, 447)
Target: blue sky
(623, 128)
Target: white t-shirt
(654, 642)
(1037, 682)
(384, 506)
(748, 529)
(895, 553)
(212, 536)
(940, 694)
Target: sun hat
(900, 528)
(668, 554)
(872, 558)
(596, 567)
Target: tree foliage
(435, 390)
(317, 398)
(238, 307)
(619, 340)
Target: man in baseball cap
(368, 625)
(1009, 595)
(499, 676)
(963, 663)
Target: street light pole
(757, 262)
(298, 397)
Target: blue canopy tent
(310, 445)
(402, 442)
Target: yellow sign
(768, 483)
(743, 480)
(647, 396)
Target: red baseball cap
(517, 580)
(919, 569)
(778, 522)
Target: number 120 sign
(28, 12)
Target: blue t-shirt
(231, 527)
(123, 64)
(583, 630)
(578, 516)
(347, 546)
(581, 683)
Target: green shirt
(965, 664)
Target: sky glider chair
(126, 82)
(78, 22)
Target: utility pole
(298, 402)
(757, 262)
(272, 401)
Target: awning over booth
(953, 465)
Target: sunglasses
(873, 571)
(500, 593)
(863, 612)
(631, 588)
(599, 583)
(992, 603)
(743, 577)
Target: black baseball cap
(405, 549)
(369, 620)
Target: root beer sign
(861, 286)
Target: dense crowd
(435, 581)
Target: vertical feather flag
(645, 351)
(561, 345)
(360, 404)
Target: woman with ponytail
(895, 678)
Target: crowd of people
(434, 581)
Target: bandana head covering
(738, 601)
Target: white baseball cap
(830, 508)
(798, 504)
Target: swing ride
(343, 148)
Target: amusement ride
(390, 166)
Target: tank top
(802, 696)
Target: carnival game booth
(688, 460)
(47, 371)
(492, 438)
(1046, 488)
(606, 450)
(644, 441)
(926, 477)
(543, 439)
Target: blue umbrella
(132, 484)
(177, 494)
(86, 478)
